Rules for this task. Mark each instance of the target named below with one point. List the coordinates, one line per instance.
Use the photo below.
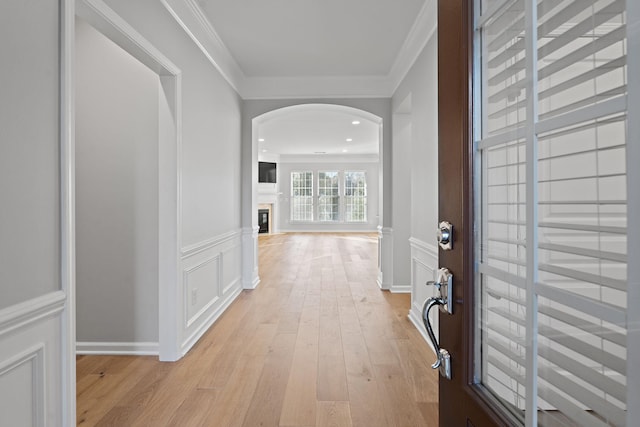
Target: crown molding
(316, 87)
(423, 29)
(194, 22)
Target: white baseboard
(400, 289)
(252, 285)
(118, 348)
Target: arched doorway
(259, 112)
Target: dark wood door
(462, 401)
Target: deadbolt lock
(445, 235)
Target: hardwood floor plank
(266, 402)
(333, 414)
(299, 405)
(398, 400)
(191, 413)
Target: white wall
(337, 163)
(422, 85)
(210, 175)
(32, 282)
(401, 199)
(29, 129)
(117, 101)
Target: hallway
(316, 344)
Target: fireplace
(263, 220)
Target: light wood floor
(317, 344)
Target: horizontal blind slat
(577, 322)
(594, 353)
(594, 253)
(567, 407)
(584, 227)
(607, 312)
(504, 276)
(596, 279)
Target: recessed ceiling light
(264, 151)
(355, 122)
(261, 139)
(349, 139)
(344, 151)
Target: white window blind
(552, 208)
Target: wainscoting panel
(424, 263)
(211, 272)
(30, 360)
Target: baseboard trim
(207, 323)
(400, 289)
(251, 285)
(118, 348)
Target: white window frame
(293, 197)
(346, 197)
(320, 201)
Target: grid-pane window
(328, 196)
(302, 196)
(553, 189)
(355, 196)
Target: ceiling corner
(422, 30)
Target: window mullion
(531, 53)
(633, 211)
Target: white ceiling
(287, 38)
(311, 49)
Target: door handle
(444, 300)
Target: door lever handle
(444, 358)
(444, 300)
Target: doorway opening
(161, 175)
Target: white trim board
(118, 348)
(23, 315)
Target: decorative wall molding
(385, 257)
(216, 260)
(194, 22)
(204, 245)
(424, 262)
(34, 357)
(416, 319)
(23, 315)
(205, 325)
(421, 245)
(118, 348)
(250, 278)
